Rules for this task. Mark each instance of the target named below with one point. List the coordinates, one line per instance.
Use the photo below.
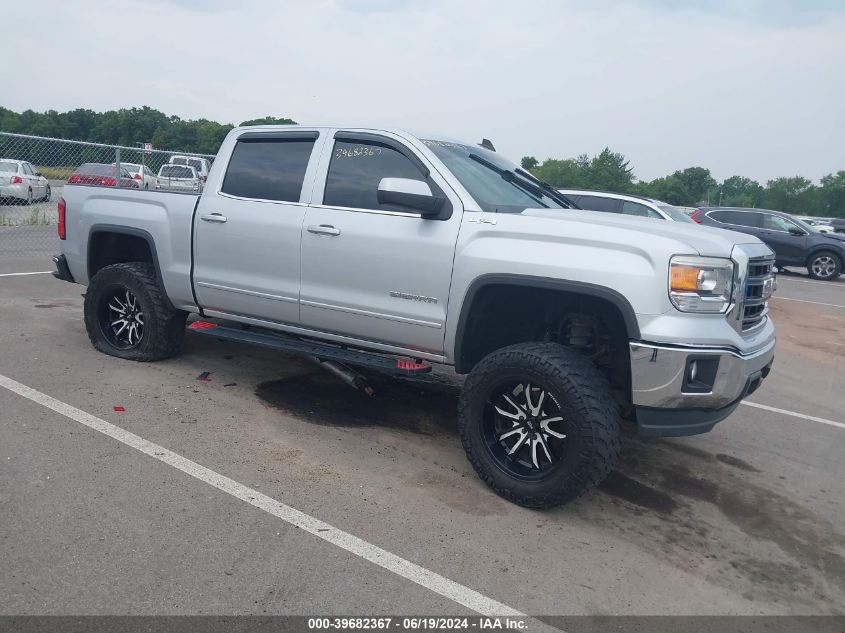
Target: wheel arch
(464, 362)
(824, 248)
(103, 243)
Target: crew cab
(393, 250)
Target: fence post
(117, 166)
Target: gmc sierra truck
(390, 250)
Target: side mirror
(407, 192)
(797, 232)
(38, 173)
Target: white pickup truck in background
(384, 249)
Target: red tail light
(61, 227)
(74, 178)
(16, 180)
(108, 181)
(137, 176)
(694, 216)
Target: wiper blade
(527, 186)
(550, 191)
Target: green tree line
(127, 126)
(608, 170)
(695, 186)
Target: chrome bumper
(661, 376)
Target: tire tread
(588, 393)
(166, 329)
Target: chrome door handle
(323, 229)
(214, 217)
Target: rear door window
(738, 218)
(774, 222)
(639, 210)
(599, 203)
(268, 168)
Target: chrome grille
(754, 308)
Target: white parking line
(829, 284)
(818, 303)
(41, 272)
(803, 416)
(406, 569)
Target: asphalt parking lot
(167, 507)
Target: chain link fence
(35, 169)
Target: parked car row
(20, 182)
(822, 225)
(171, 176)
(795, 242)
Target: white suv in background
(626, 204)
(199, 164)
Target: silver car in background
(19, 182)
(143, 175)
(178, 178)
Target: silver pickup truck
(390, 250)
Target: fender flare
(545, 283)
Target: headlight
(701, 284)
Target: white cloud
(670, 88)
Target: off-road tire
(584, 396)
(837, 266)
(164, 326)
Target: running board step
(396, 366)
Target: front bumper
(678, 390)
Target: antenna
(486, 144)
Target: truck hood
(696, 238)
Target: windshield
(179, 161)
(10, 167)
(490, 179)
(675, 213)
(803, 225)
(195, 163)
(131, 167)
(176, 171)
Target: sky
(755, 88)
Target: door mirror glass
(407, 192)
